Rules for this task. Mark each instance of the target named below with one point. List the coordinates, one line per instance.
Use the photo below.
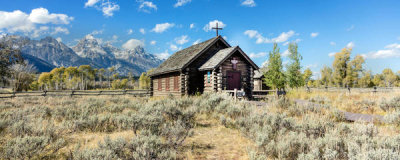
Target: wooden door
(233, 80)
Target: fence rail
(75, 93)
(357, 90)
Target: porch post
(251, 87)
(183, 77)
(214, 80)
(219, 80)
(187, 81)
(151, 87)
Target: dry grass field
(211, 126)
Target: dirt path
(211, 140)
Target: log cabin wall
(257, 84)
(243, 67)
(196, 82)
(174, 86)
(209, 81)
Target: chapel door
(233, 80)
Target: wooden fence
(356, 90)
(72, 93)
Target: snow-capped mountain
(136, 60)
(89, 51)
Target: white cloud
(91, 3)
(42, 16)
(249, 3)
(147, 6)
(350, 28)
(132, 44)
(159, 28)
(114, 39)
(59, 39)
(174, 47)
(37, 32)
(109, 8)
(283, 37)
(181, 3)
(332, 43)
(106, 6)
(258, 55)
(153, 42)
(312, 66)
(314, 34)
(265, 64)
(142, 30)
(398, 38)
(196, 42)
(192, 26)
(60, 30)
(163, 55)
(211, 24)
(96, 32)
(390, 51)
(182, 39)
(130, 31)
(33, 23)
(331, 54)
(350, 45)
(286, 53)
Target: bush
(143, 146)
(25, 147)
(393, 103)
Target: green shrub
(25, 147)
(393, 103)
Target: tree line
(18, 73)
(85, 77)
(344, 72)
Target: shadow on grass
(203, 125)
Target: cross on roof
(216, 28)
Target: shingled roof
(222, 55)
(180, 59)
(217, 58)
(258, 74)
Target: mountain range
(48, 53)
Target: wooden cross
(216, 28)
(234, 62)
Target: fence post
(13, 94)
(100, 92)
(45, 93)
(124, 92)
(72, 93)
(235, 93)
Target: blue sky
(321, 27)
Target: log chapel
(210, 66)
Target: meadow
(210, 126)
